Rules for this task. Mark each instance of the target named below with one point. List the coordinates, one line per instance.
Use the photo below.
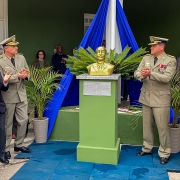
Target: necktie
(13, 62)
(155, 60)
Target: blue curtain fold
(56, 101)
(126, 35)
(95, 32)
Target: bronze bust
(100, 68)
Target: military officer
(15, 97)
(155, 71)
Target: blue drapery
(126, 35)
(55, 103)
(95, 32)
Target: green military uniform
(156, 99)
(15, 98)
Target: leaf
(41, 87)
(124, 63)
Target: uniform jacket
(16, 92)
(36, 64)
(3, 88)
(155, 91)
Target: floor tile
(133, 160)
(74, 168)
(67, 177)
(110, 172)
(32, 175)
(144, 173)
(41, 164)
(63, 153)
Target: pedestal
(98, 133)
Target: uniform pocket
(164, 93)
(142, 95)
(165, 97)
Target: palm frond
(124, 63)
(41, 87)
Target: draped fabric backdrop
(110, 16)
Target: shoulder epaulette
(1, 56)
(147, 54)
(170, 56)
(20, 54)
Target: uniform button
(151, 84)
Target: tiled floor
(56, 160)
(99, 171)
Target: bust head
(101, 54)
(100, 68)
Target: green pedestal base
(99, 154)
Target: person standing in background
(104, 43)
(58, 60)
(15, 98)
(40, 61)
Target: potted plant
(40, 88)
(124, 64)
(175, 103)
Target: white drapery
(112, 35)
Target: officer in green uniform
(15, 97)
(156, 71)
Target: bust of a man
(100, 68)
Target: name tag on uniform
(7, 69)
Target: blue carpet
(56, 160)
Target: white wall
(3, 19)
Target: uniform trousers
(2, 135)
(160, 115)
(20, 112)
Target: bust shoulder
(109, 65)
(100, 70)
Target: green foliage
(41, 87)
(124, 63)
(175, 98)
(136, 117)
(135, 120)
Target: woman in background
(40, 62)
